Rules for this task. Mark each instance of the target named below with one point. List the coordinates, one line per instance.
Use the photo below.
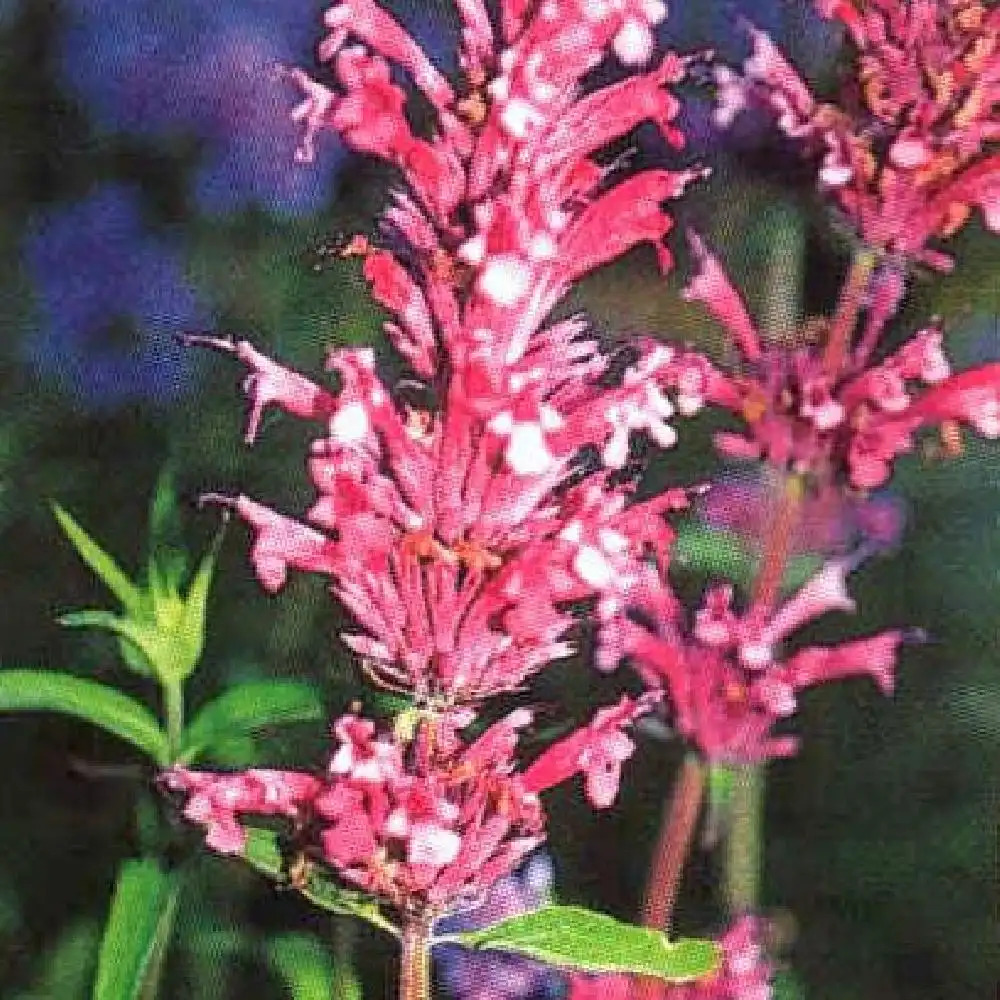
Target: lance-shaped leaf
(305, 966)
(138, 931)
(263, 852)
(250, 708)
(161, 629)
(168, 560)
(49, 691)
(572, 937)
(103, 564)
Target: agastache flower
(846, 426)
(728, 682)
(457, 531)
(913, 162)
(425, 821)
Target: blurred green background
(146, 187)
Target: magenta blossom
(917, 157)
(459, 585)
(425, 822)
(743, 974)
(844, 427)
(728, 682)
(457, 534)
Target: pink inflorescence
(728, 680)
(916, 157)
(457, 532)
(845, 426)
(424, 821)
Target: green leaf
(107, 707)
(144, 636)
(104, 565)
(189, 630)
(137, 932)
(166, 535)
(249, 708)
(572, 937)
(304, 964)
(262, 851)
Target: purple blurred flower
(110, 297)
(468, 975)
(207, 70)
(211, 71)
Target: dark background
(146, 187)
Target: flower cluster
(424, 821)
(845, 425)
(916, 157)
(728, 683)
(464, 514)
(454, 516)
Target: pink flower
(846, 426)
(728, 684)
(917, 158)
(422, 823)
(596, 751)
(456, 531)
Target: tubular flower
(427, 822)
(455, 531)
(744, 973)
(456, 568)
(727, 682)
(916, 158)
(844, 427)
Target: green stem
(848, 308)
(415, 973)
(744, 844)
(173, 707)
(680, 819)
(782, 240)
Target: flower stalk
(849, 305)
(680, 820)
(744, 843)
(415, 964)
(173, 708)
(778, 545)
